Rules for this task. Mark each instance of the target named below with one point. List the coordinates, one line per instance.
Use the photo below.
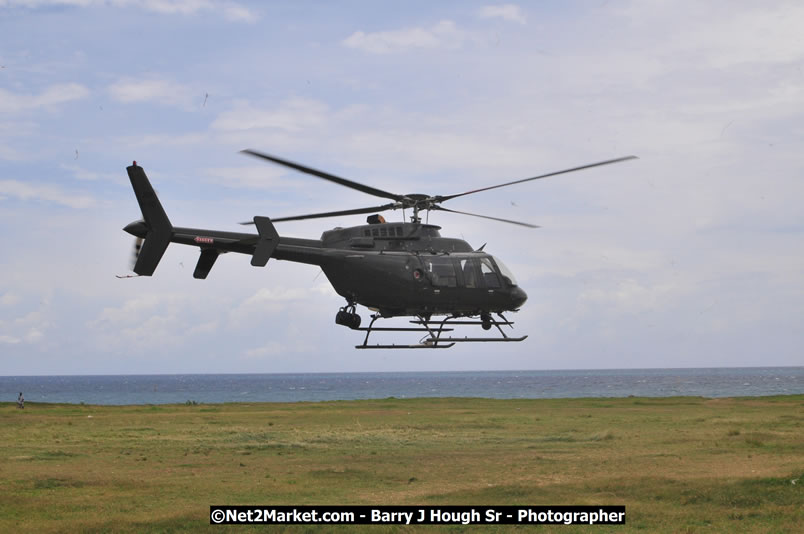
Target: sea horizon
(211, 388)
(601, 369)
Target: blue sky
(690, 256)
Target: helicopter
(394, 269)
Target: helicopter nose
(518, 297)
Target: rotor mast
(415, 217)
(417, 202)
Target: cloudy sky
(691, 256)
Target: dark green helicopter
(394, 269)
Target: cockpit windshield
(505, 272)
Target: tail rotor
(135, 253)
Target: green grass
(678, 464)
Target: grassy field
(678, 464)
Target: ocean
(218, 388)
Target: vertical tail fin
(268, 242)
(159, 229)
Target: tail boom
(157, 231)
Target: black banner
(417, 515)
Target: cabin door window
(469, 273)
(441, 272)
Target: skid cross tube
(433, 339)
(421, 345)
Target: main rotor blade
(331, 214)
(440, 208)
(326, 176)
(607, 162)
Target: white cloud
(45, 193)
(762, 35)
(272, 348)
(268, 351)
(508, 12)
(272, 300)
(161, 92)
(150, 322)
(265, 298)
(260, 177)
(136, 309)
(34, 335)
(631, 296)
(231, 10)
(238, 13)
(292, 115)
(370, 137)
(9, 154)
(15, 131)
(209, 327)
(430, 146)
(182, 7)
(49, 98)
(718, 34)
(162, 140)
(9, 299)
(39, 3)
(445, 34)
(83, 174)
(29, 328)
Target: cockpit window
(508, 276)
(489, 276)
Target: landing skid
(433, 339)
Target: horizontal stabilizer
(205, 263)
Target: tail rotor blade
(136, 252)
